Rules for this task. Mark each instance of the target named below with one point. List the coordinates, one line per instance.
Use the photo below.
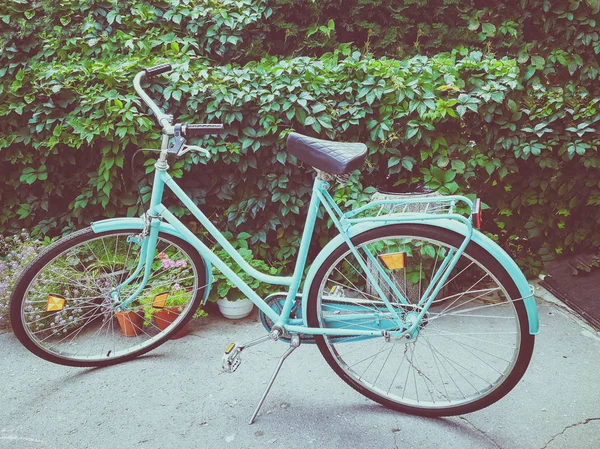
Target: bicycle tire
(319, 308)
(27, 334)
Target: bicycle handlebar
(193, 130)
(166, 120)
(158, 69)
(163, 119)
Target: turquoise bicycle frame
(159, 219)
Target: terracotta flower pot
(131, 323)
(166, 316)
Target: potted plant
(232, 303)
(161, 308)
(163, 304)
(131, 322)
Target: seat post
(324, 176)
(328, 177)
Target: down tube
(216, 262)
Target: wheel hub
(410, 319)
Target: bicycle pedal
(231, 359)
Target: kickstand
(294, 343)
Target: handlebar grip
(192, 130)
(158, 69)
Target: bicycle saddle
(337, 158)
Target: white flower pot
(234, 310)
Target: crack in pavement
(483, 432)
(580, 423)
(396, 431)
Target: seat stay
(326, 201)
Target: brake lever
(196, 148)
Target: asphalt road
(177, 397)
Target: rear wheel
(62, 309)
(471, 348)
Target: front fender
(492, 247)
(116, 224)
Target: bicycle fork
(147, 240)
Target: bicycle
(418, 311)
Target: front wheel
(472, 346)
(63, 306)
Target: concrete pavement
(177, 397)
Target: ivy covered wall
(495, 98)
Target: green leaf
(325, 121)
(309, 121)
(370, 97)
(394, 160)
(489, 29)
(110, 17)
(572, 67)
(24, 210)
(412, 132)
(408, 163)
(318, 108)
(538, 62)
(458, 166)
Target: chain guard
(276, 302)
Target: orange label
(55, 303)
(393, 261)
(160, 300)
